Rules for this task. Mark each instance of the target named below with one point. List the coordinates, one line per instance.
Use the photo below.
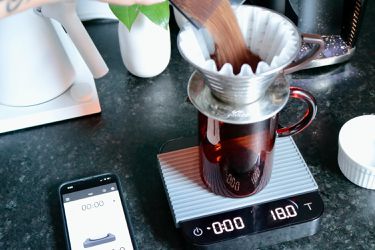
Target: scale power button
(197, 231)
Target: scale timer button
(197, 231)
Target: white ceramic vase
(146, 48)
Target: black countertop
(139, 115)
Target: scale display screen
(254, 219)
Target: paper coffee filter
(269, 35)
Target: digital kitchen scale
(288, 208)
(79, 99)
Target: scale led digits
(253, 219)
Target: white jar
(146, 48)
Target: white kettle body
(34, 67)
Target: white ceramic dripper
(271, 36)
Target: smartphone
(94, 214)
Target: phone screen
(94, 215)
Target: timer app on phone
(95, 219)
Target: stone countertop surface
(140, 115)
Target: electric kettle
(34, 66)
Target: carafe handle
(310, 113)
(65, 13)
(314, 54)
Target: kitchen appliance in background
(338, 21)
(47, 74)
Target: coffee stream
(230, 45)
(218, 18)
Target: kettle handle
(65, 13)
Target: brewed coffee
(236, 160)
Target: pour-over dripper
(273, 37)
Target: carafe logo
(238, 114)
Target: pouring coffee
(238, 113)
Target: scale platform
(288, 208)
(80, 99)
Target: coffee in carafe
(242, 155)
(236, 159)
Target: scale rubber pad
(190, 199)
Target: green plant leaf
(126, 14)
(157, 13)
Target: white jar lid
(356, 156)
